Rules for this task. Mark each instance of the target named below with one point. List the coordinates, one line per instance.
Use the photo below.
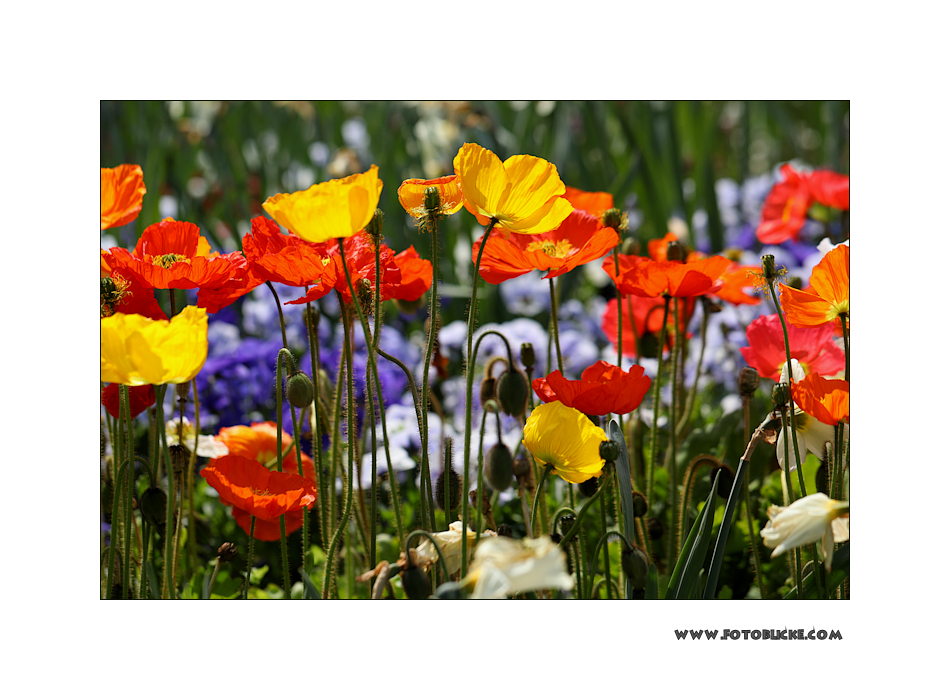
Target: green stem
(651, 465)
(548, 468)
(280, 446)
(478, 487)
(691, 399)
(604, 540)
(250, 558)
(317, 434)
(619, 331)
(583, 511)
(167, 582)
(130, 478)
(671, 458)
(554, 324)
(426, 479)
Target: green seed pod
(640, 505)
(432, 201)
(635, 564)
(609, 451)
(299, 389)
(512, 390)
(527, 355)
(500, 466)
(153, 504)
(416, 583)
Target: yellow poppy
(334, 209)
(566, 439)
(412, 194)
(136, 350)
(525, 194)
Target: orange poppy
(275, 257)
(735, 280)
(172, 255)
(578, 240)
(647, 313)
(242, 280)
(603, 388)
(828, 400)
(121, 190)
(416, 276)
(412, 195)
(647, 278)
(828, 295)
(594, 203)
(246, 484)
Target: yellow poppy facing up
(412, 195)
(566, 439)
(524, 194)
(333, 209)
(136, 350)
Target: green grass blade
(626, 490)
(723, 537)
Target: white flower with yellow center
(807, 520)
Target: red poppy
(242, 280)
(828, 400)
(647, 315)
(578, 240)
(648, 278)
(246, 484)
(416, 275)
(828, 295)
(121, 190)
(735, 280)
(603, 388)
(172, 255)
(594, 203)
(830, 188)
(140, 398)
(126, 293)
(814, 348)
(785, 208)
(361, 264)
(275, 257)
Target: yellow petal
(565, 438)
(482, 179)
(545, 219)
(534, 182)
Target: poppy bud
(499, 466)
(487, 394)
(433, 201)
(655, 528)
(365, 295)
(227, 551)
(416, 583)
(640, 505)
(179, 457)
(565, 523)
(726, 477)
(768, 267)
(748, 382)
(503, 530)
(522, 466)
(588, 488)
(675, 251)
(512, 391)
(375, 226)
(781, 395)
(527, 355)
(448, 482)
(615, 219)
(182, 390)
(299, 389)
(154, 503)
(609, 450)
(631, 246)
(635, 565)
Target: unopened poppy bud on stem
(675, 252)
(640, 505)
(487, 394)
(179, 456)
(636, 565)
(609, 451)
(768, 268)
(781, 395)
(527, 355)
(512, 391)
(299, 389)
(616, 219)
(375, 226)
(416, 583)
(227, 551)
(153, 504)
(499, 466)
(748, 382)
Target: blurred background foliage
(214, 163)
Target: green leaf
(310, 590)
(697, 553)
(257, 575)
(720, 549)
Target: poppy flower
(648, 278)
(450, 544)
(594, 203)
(412, 193)
(807, 520)
(566, 439)
(244, 483)
(647, 314)
(830, 188)
(785, 208)
(361, 264)
(828, 295)
(275, 257)
(504, 566)
(579, 239)
(140, 398)
(658, 247)
(814, 348)
(182, 432)
(828, 400)
(416, 275)
(603, 388)
(121, 190)
(524, 194)
(122, 291)
(135, 350)
(735, 280)
(328, 210)
(242, 280)
(173, 255)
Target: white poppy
(807, 520)
(504, 566)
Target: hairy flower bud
(609, 450)
(748, 382)
(512, 391)
(527, 355)
(227, 551)
(375, 226)
(416, 583)
(432, 201)
(768, 268)
(781, 395)
(299, 389)
(675, 252)
(636, 565)
(499, 466)
(616, 219)
(487, 394)
(154, 503)
(640, 505)
(179, 456)
(565, 523)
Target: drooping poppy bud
(500, 466)
(299, 389)
(512, 391)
